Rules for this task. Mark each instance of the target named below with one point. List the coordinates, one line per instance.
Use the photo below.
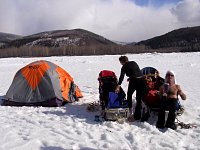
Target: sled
(116, 114)
(114, 106)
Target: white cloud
(187, 12)
(119, 20)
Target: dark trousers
(138, 85)
(167, 104)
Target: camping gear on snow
(114, 105)
(153, 83)
(184, 125)
(152, 98)
(117, 107)
(93, 106)
(117, 100)
(42, 83)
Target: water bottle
(166, 88)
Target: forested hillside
(83, 42)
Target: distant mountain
(184, 38)
(60, 38)
(121, 43)
(82, 42)
(132, 43)
(7, 37)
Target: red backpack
(106, 74)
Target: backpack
(117, 100)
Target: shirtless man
(169, 92)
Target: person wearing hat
(169, 92)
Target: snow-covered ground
(73, 127)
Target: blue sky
(156, 3)
(117, 20)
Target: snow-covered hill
(60, 38)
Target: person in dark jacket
(136, 83)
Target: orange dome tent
(42, 83)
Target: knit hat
(170, 72)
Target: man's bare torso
(172, 92)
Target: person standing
(169, 92)
(136, 83)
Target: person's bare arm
(180, 92)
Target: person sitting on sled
(169, 92)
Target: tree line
(41, 51)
